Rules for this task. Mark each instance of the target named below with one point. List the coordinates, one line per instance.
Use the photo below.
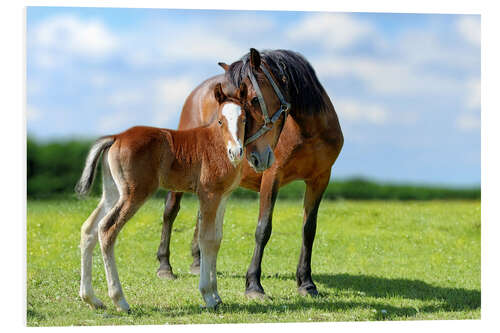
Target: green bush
(53, 168)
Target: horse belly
(178, 180)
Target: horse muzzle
(262, 161)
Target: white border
(12, 88)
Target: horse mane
(301, 88)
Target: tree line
(54, 167)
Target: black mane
(301, 89)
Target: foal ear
(224, 66)
(254, 58)
(219, 95)
(243, 91)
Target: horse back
(200, 105)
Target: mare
(309, 144)
(141, 159)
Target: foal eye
(220, 122)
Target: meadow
(372, 260)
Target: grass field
(371, 261)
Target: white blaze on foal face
(236, 129)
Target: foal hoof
(98, 305)
(166, 274)
(308, 291)
(195, 269)
(93, 302)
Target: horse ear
(219, 94)
(254, 58)
(243, 91)
(224, 66)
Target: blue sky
(406, 86)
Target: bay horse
(310, 142)
(205, 160)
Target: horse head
(264, 104)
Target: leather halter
(284, 107)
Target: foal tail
(83, 186)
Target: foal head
(231, 120)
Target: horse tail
(83, 186)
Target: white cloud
(332, 30)
(469, 28)
(126, 99)
(426, 46)
(354, 111)
(71, 35)
(243, 22)
(169, 96)
(385, 76)
(198, 45)
(115, 122)
(468, 122)
(473, 96)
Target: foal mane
(301, 86)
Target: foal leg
(87, 245)
(109, 228)
(314, 192)
(172, 206)
(210, 236)
(89, 236)
(268, 193)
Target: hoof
(194, 269)
(308, 291)
(254, 294)
(210, 308)
(98, 305)
(94, 302)
(166, 274)
(122, 306)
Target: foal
(204, 160)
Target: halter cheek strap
(284, 107)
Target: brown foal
(204, 160)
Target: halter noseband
(284, 107)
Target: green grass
(415, 260)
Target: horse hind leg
(172, 206)
(89, 237)
(130, 200)
(87, 244)
(109, 227)
(314, 192)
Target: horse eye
(220, 122)
(255, 100)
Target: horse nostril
(254, 160)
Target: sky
(406, 87)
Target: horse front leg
(314, 192)
(172, 206)
(268, 193)
(209, 239)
